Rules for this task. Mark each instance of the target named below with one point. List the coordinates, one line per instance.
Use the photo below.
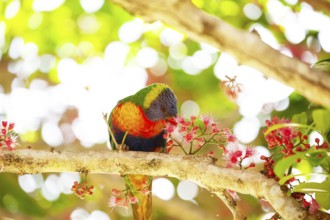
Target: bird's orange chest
(130, 118)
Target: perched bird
(137, 121)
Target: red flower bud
(4, 124)
(11, 126)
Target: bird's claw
(122, 148)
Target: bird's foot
(122, 148)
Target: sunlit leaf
(311, 187)
(321, 119)
(315, 157)
(283, 165)
(300, 118)
(323, 199)
(325, 163)
(304, 166)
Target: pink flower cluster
(8, 138)
(192, 132)
(82, 189)
(281, 136)
(121, 198)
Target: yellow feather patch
(153, 94)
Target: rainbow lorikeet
(137, 121)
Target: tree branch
(320, 5)
(246, 47)
(196, 169)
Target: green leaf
(311, 187)
(323, 65)
(323, 200)
(304, 166)
(321, 190)
(315, 157)
(321, 119)
(300, 118)
(325, 163)
(305, 175)
(283, 165)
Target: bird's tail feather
(140, 188)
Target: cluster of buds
(318, 146)
(291, 140)
(283, 136)
(312, 206)
(82, 189)
(8, 137)
(268, 170)
(121, 198)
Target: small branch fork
(197, 169)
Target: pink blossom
(249, 152)
(206, 120)
(116, 192)
(215, 130)
(188, 137)
(8, 137)
(179, 120)
(145, 191)
(230, 137)
(116, 201)
(235, 153)
(169, 127)
(125, 203)
(133, 200)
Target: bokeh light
(252, 11)
(131, 31)
(189, 108)
(163, 188)
(91, 6)
(41, 5)
(187, 190)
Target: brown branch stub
(246, 47)
(196, 169)
(231, 204)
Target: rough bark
(197, 169)
(246, 47)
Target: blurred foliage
(63, 34)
